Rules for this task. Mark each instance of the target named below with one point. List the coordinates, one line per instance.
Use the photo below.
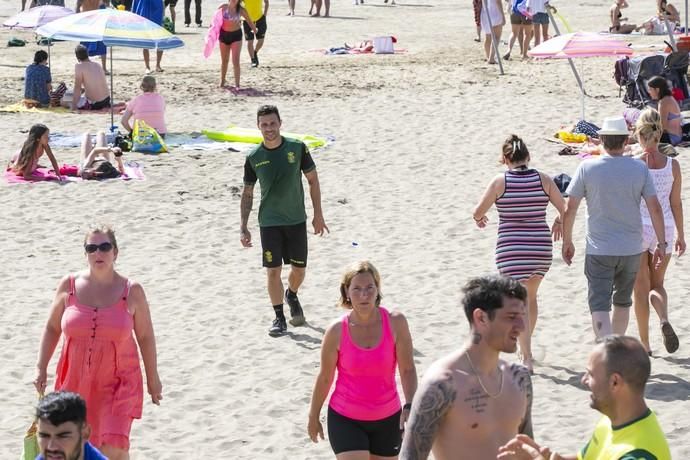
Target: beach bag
(585, 127)
(383, 45)
(30, 450)
(145, 139)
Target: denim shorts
(540, 18)
(610, 279)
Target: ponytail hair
(514, 150)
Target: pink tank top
(365, 388)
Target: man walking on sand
(278, 164)
(613, 186)
(471, 402)
(617, 373)
(257, 11)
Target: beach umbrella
(37, 17)
(580, 45)
(114, 28)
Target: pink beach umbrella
(36, 17)
(580, 45)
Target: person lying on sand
(100, 161)
(25, 162)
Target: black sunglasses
(103, 247)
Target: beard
(76, 455)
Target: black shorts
(100, 104)
(260, 29)
(229, 38)
(379, 437)
(287, 243)
(170, 3)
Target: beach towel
(253, 136)
(19, 107)
(133, 171)
(213, 33)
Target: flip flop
(670, 338)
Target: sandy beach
(417, 137)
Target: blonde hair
(106, 230)
(353, 270)
(648, 126)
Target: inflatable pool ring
(253, 136)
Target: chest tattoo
(477, 400)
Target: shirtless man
(89, 76)
(470, 403)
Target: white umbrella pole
(570, 61)
(671, 40)
(494, 43)
(112, 115)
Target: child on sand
(25, 163)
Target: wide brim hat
(614, 126)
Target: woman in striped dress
(524, 244)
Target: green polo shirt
(279, 172)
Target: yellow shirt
(641, 439)
(255, 9)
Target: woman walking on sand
(524, 246)
(365, 419)
(96, 311)
(649, 284)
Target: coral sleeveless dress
(100, 362)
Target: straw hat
(614, 126)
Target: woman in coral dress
(96, 311)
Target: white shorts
(649, 239)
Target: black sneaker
(255, 60)
(296, 312)
(278, 328)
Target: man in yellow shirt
(257, 11)
(616, 375)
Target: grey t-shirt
(613, 187)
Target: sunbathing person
(98, 161)
(148, 107)
(668, 11)
(618, 25)
(671, 118)
(25, 162)
(89, 77)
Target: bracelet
(407, 406)
(660, 246)
(477, 220)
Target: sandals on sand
(670, 338)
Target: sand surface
(417, 138)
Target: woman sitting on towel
(524, 246)
(649, 283)
(671, 118)
(99, 161)
(668, 11)
(148, 107)
(617, 19)
(230, 38)
(25, 163)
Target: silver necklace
(500, 388)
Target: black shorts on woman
(229, 37)
(379, 437)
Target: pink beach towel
(213, 33)
(133, 171)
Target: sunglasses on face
(103, 247)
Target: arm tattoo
(428, 409)
(246, 205)
(521, 376)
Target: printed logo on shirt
(262, 163)
(291, 157)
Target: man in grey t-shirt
(613, 186)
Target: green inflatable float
(253, 136)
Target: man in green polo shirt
(278, 164)
(257, 11)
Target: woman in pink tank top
(96, 311)
(366, 345)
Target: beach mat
(19, 107)
(133, 171)
(253, 136)
(182, 141)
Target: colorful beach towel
(133, 171)
(19, 107)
